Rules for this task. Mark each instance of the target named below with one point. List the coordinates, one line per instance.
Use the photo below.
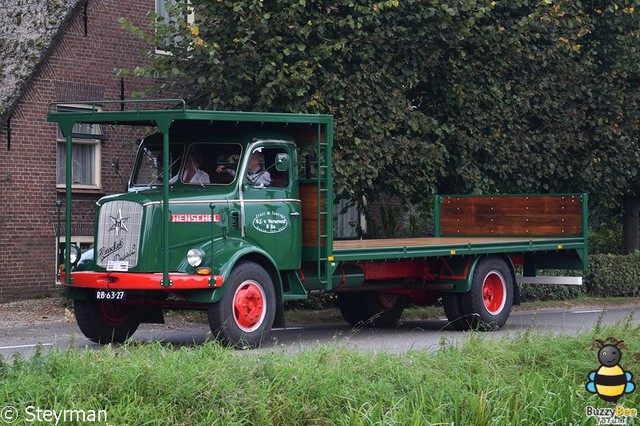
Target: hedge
(612, 275)
(609, 275)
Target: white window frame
(97, 158)
(190, 20)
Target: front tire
(245, 314)
(105, 322)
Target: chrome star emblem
(118, 223)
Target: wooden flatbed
(477, 225)
(402, 248)
(414, 242)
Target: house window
(164, 9)
(85, 154)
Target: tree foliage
(349, 59)
(429, 95)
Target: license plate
(111, 295)
(117, 266)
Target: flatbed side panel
(511, 215)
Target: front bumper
(141, 281)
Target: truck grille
(119, 233)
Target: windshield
(211, 163)
(148, 169)
(193, 164)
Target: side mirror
(282, 162)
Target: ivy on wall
(27, 29)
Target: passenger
(256, 175)
(192, 172)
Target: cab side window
(279, 179)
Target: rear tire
(453, 311)
(105, 322)
(371, 308)
(244, 316)
(347, 305)
(488, 305)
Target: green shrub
(542, 292)
(609, 275)
(315, 301)
(612, 275)
(607, 238)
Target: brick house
(64, 50)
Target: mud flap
(279, 320)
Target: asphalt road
(409, 335)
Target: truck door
(272, 210)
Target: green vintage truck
(232, 213)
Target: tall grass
(530, 379)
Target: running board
(550, 280)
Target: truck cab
(212, 216)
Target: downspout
(9, 132)
(85, 18)
(122, 93)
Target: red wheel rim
(494, 292)
(249, 306)
(113, 314)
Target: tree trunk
(630, 227)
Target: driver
(256, 174)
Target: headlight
(194, 257)
(74, 254)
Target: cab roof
(171, 115)
(142, 113)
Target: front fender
(222, 255)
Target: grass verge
(530, 379)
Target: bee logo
(610, 381)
